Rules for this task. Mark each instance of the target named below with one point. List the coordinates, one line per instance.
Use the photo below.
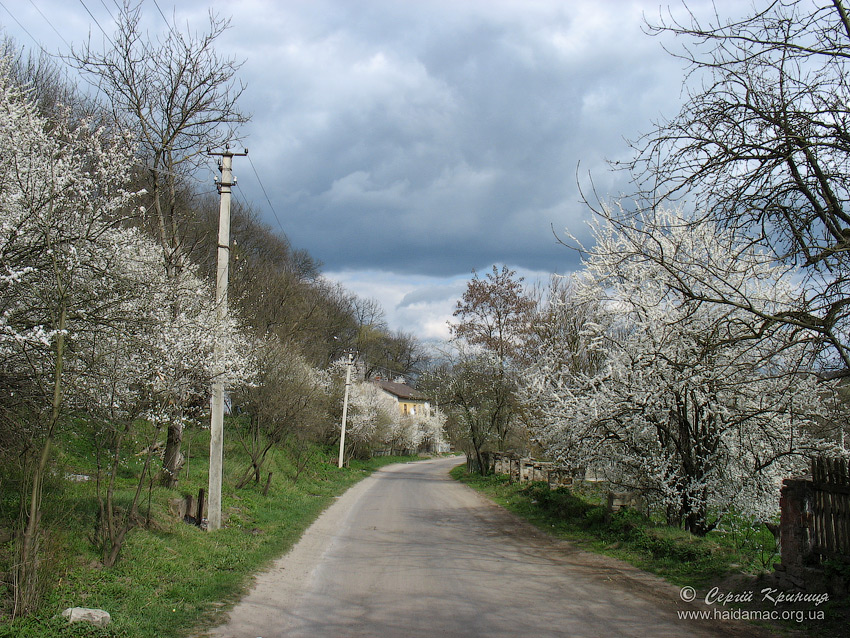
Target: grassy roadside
(672, 553)
(734, 562)
(173, 579)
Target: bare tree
(284, 409)
(762, 146)
(179, 97)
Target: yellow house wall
(418, 405)
(422, 407)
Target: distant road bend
(408, 552)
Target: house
(410, 402)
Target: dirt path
(409, 552)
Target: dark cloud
(425, 295)
(429, 138)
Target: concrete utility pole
(345, 407)
(221, 281)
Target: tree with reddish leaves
(495, 314)
(481, 388)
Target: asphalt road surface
(409, 552)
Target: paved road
(408, 552)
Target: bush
(560, 502)
(595, 520)
(627, 523)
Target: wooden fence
(831, 508)
(815, 513)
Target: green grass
(670, 552)
(737, 558)
(173, 578)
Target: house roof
(400, 390)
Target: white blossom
(697, 405)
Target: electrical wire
(47, 20)
(263, 188)
(98, 25)
(111, 17)
(240, 198)
(167, 23)
(37, 43)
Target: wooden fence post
(795, 518)
(200, 517)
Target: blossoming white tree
(178, 97)
(372, 415)
(430, 431)
(63, 195)
(84, 321)
(138, 359)
(375, 422)
(698, 406)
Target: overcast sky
(404, 143)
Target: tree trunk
(170, 241)
(173, 458)
(117, 528)
(26, 578)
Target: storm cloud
(432, 138)
(404, 144)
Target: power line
(37, 43)
(98, 25)
(112, 17)
(263, 188)
(240, 198)
(167, 23)
(47, 20)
